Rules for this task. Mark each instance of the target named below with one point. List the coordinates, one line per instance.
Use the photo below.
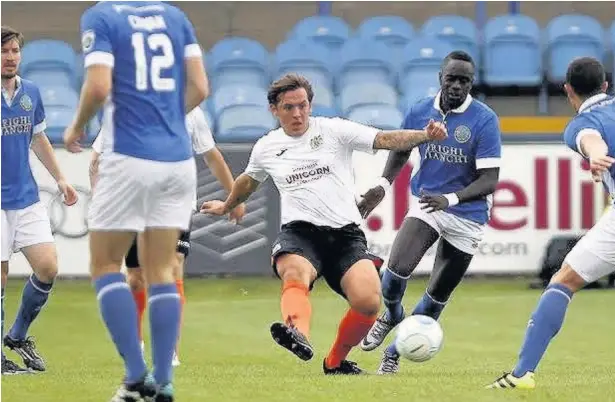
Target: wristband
(452, 199)
(384, 183)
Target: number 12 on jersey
(158, 63)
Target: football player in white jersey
(310, 162)
(202, 144)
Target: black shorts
(332, 251)
(183, 246)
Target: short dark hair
(586, 76)
(289, 82)
(8, 34)
(458, 55)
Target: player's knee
(46, 271)
(568, 277)
(368, 303)
(135, 279)
(294, 268)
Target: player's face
(293, 111)
(11, 57)
(456, 82)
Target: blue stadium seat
(512, 51)
(327, 30)
(460, 32)
(364, 60)
(420, 64)
(323, 96)
(236, 60)
(571, 36)
(59, 96)
(367, 94)
(413, 97)
(238, 95)
(392, 30)
(612, 36)
(57, 120)
(49, 61)
(324, 111)
(383, 117)
(307, 58)
(245, 123)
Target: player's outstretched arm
(243, 187)
(218, 166)
(404, 140)
(593, 146)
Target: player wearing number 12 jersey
(144, 64)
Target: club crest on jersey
(26, 103)
(462, 134)
(87, 40)
(316, 142)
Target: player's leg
(411, 243)
(9, 367)
(33, 237)
(592, 258)
(183, 250)
(136, 282)
(360, 285)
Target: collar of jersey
(5, 94)
(591, 101)
(464, 106)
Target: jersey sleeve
(357, 136)
(39, 115)
(96, 40)
(489, 147)
(192, 48)
(576, 130)
(255, 168)
(202, 138)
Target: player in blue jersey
(25, 223)
(591, 133)
(144, 64)
(451, 199)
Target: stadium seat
(460, 32)
(327, 30)
(392, 30)
(571, 36)
(57, 120)
(512, 52)
(367, 94)
(49, 61)
(244, 123)
(420, 64)
(412, 97)
(383, 117)
(59, 96)
(324, 111)
(365, 60)
(612, 36)
(323, 96)
(307, 58)
(237, 95)
(236, 60)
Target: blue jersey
(22, 117)
(474, 142)
(145, 43)
(596, 115)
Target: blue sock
(34, 296)
(393, 289)
(391, 350)
(2, 324)
(545, 323)
(164, 317)
(429, 307)
(119, 312)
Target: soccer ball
(419, 338)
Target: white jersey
(313, 172)
(196, 124)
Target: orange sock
(353, 327)
(295, 306)
(182, 297)
(140, 297)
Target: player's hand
(431, 202)
(68, 193)
(72, 136)
(370, 200)
(436, 130)
(236, 215)
(598, 165)
(215, 207)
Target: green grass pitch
(228, 355)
